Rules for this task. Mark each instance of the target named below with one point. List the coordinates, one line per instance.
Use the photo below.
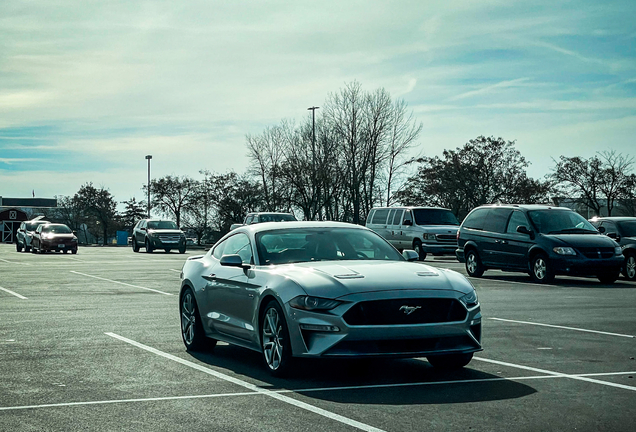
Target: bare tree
(172, 195)
(615, 177)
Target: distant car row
(43, 236)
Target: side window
(476, 218)
(390, 218)
(610, 227)
(497, 219)
(380, 216)
(218, 250)
(408, 217)
(239, 244)
(516, 219)
(248, 220)
(370, 216)
(397, 217)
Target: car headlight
(618, 250)
(428, 236)
(564, 250)
(313, 303)
(47, 236)
(470, 299)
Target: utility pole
(313, 152)
(148, 157)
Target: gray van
(427, 230)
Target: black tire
(18, 246)
(417, 247)
(135, 246)
(149, 247)
(474, 267)
(609, 277)
(42, 251)
(629, 266)
(167, 250)
(74, 251)
(27, 248)
(541, 269)
(65, 250)
(182, 250)
(33, 249)
(450, 361)
(192, 332)
(276, 348)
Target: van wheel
(18, 246)
(474, 267)
(629, 269)
(417, 247)
(541, 269)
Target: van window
(476, 218)
(407, 216)
(370, 216)
(497, 220)
(397, 218)
(380, 216)
(434, 217)
(517, 219)
(390, 218)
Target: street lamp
(148, 157)
(313, 128)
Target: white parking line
(14, 262)
(574, 377)
(562, 327)
(252, 387)
(306, 390)
(12, 293)
(121, 283)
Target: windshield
(434, 217)
(162, 225)
(560, 222)
(276, 217)
(31, 226)
(628, 229)
(58, 229)
(322, 244)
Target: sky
(88, 89)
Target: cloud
(490, 88)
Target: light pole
(313, 130)
(148, 157)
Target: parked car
(623, 231)
(258, 217)
(427, 230)
(24, 235)
(541, 240)
(325, 290)
(154, 234)
(54, 237)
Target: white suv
(427, 230)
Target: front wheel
(474, 267)
(135, 245)
(419, 248)
(450, 361)
(182, 250)
(541, 269)
(629, 268)
(192, 332)
(149, 248)
(18, 246)
(609, 277)
(275, 340)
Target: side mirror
(410, 255)
(407, 222)
(601, 229)
(233, 261)
(143, 229)
(524, 230)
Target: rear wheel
(450, 361)
(419, 248)
(474, 267)
(541, 269)
(629, 267)
(275, 340)
(182, 250)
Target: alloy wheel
(272, 339)
(630, 267)
(188, 318)
(471, 263)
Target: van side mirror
(407, 222)
(524, 230)
(601, 229)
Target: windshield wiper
(573, 230)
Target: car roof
(614, 218)
(289, 225)
(526, 206)
(411, 208)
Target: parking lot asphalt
(92, 342)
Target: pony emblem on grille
(410, 309)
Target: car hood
(332, 279)
(583, 240)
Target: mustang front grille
(405, 311)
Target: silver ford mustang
(325, 289)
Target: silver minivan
(427, 230)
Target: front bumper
(440, 249)
(55, 245)
(585, 266)
(403, 340)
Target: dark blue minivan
(541, 240)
